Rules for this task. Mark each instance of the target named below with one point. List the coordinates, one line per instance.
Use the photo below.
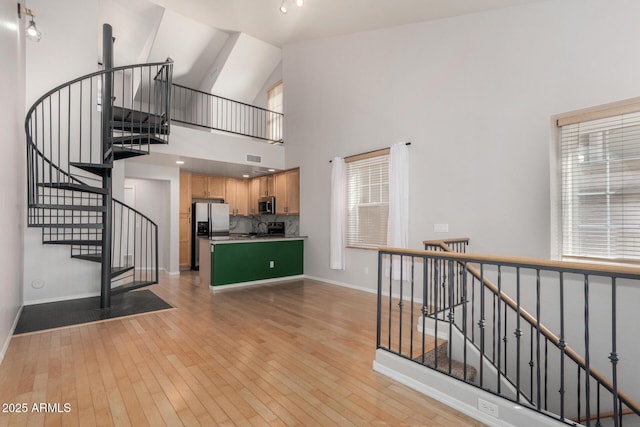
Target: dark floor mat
(51, 315)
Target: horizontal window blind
(600, 178)
(367, 201)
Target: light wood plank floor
(293, 353)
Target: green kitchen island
(250, 260)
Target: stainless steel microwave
(267, 205)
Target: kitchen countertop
(245, 238)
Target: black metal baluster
(390, 297)
(400, 306)
(481, 324)
(473, 309)
(493, 334)
(411, 316)
(505, 341)
(518, 334)
(598, 386)
(587, 359)
(579, 395)
(451, 318)
(538, 313)
(436, 267)
(613, 356)
(498, 326)
(562, 345)
(425, 302)
(546, 370)
(531, 362)
(464, 319)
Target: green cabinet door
(246, 262)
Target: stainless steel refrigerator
(209, 220)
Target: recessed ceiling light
(271, 170)
(245, 176)
(180, 162)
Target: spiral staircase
(75, 133)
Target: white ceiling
(322, 18)
(230, 47)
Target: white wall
(221, 147)
(68, 49)
(152, 198)
(69, 46)
(275, 77)
(474, 94)
(168, 178)
(12, 173)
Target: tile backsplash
(258, 223)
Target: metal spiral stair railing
(74, 132)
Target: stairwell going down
(560, 358)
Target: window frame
(605, 111)
(274, 133)
(349, 227)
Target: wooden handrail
(532, 263)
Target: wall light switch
(440, 228)
(272, 264)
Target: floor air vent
(253, 158)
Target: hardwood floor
(293, 353)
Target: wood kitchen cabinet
(267, 186)
(237, 196)
(254, 195)
(185, 221)
(287, 192)
(207, 187)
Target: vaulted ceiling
(231, 47)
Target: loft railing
(571, 375)
(197, 108)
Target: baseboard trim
(5, 346)
(361, 288)
(456, 394)
(342, 284)
(222, 288)
(63, 298)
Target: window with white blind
(600, 186)
(367, 200)
(274, 104)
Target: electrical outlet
(440, 228)
(488, 408)
(272, 264)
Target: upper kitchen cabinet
(267, 186)
(207, 187)
(237, 192)
(287, 192)
(254, 195)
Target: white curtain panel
(398, 222)
(338, 215)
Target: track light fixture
(284, 6)
(31, 31)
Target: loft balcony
(192, 107)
